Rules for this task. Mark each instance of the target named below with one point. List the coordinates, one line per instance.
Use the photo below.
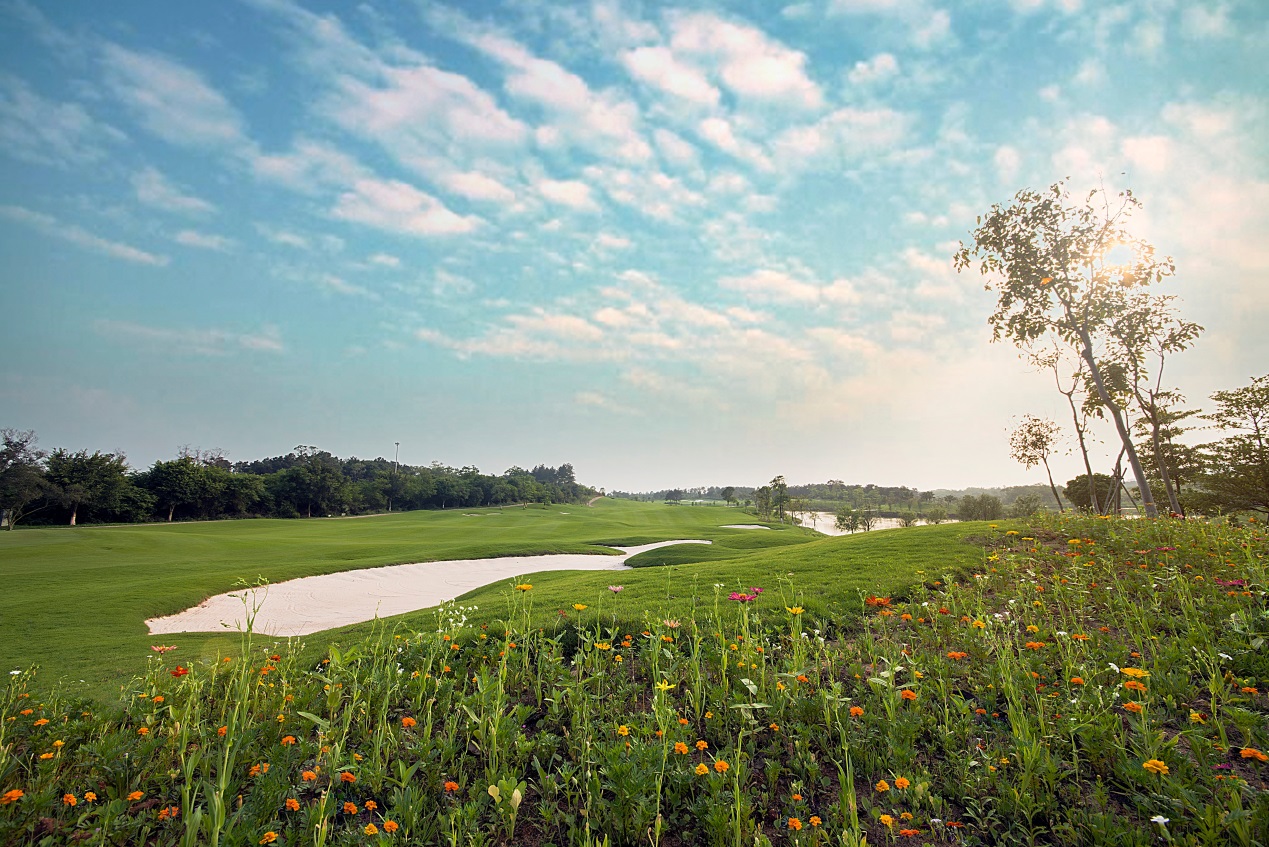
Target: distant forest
(62, 487)
(835, 494)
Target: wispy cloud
(204, 240)
(77, 235)
(395, 206)
(203, 342)
(171, 100)
(37, 129)
(155, 190)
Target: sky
(674, 244)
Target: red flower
(180, 672)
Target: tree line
(62, 486)
(1076, 295)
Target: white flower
(1114, 667)
(1159, 819)
(1225, 656)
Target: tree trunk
(1147, 499)
(1053, 487)
(1088, 466)
(74, 513)
(171, 510)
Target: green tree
(1025, 506)
(984, 507)
(846, 520)
(175, 483)
(22, 479)
(1031, 444)
(1102, 486)
(779, 498)
(1059, 268)
(95, 480)
(729, 494)
(1238, 478)
(935, 515)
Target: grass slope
(78, 598)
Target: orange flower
(856, 711)
(12, 796)
(269, 837)
(702, 745)
(221, 731)
(882, 786)
(145, 730)
(1133, 685)
(1135, 708)
(371, 805)
(40, 722)
(909, 833)
(390, 826)
(1077, 680)
(451, 787)
(308, 776)
(1155, 766)
(886, 820)
(69, 800)
(680, 748)
(701, 770)
(292, 805)
(345, 776)
(288, 740)
(407, 722)
(815, 820)
(908, 694)
(721, 766)
(901, 783)
(136, 795)
(1251, 753)
(795, 824)
(90, 796)
(797, 797)
(350, 808)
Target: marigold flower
(371, 805)
(795, 824)
(623, 730)
(956, 655)
(90, 796)
(221, 731)
(978, 625)
(701, 769)
(1032, 628)
(908, 694)
(12, 796)
(308, 776)
(288, 740)
(46, 756)
(796, 798)
(1134, 673)
(69, 800)
(40, 722)
(292, 805)
(1251, 753)
(795, 610)
(901, 783)
(1035, 645)
(407, 722)
(886, 820)
(1155, 766)
(25, 712)
(350, 808)
(815, 820)
(451, 787)
(346, 776)
(702, 745)
(856, 711)
(1133, 685)
(581, 607)
(882, 785)
(721, 766)
(135, 796)
(1135, 708)
(1247, 689)
(168, 812)
(680, 748)
(1077, 680)
(1079, 636)
(269, 837)
(909, 833)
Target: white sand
(744, 526)
(314, 603)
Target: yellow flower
(1134, 673)
(1195, 717)
(887, 820)
(524, 586)
(795, 610)
(371, 829)
(1155, 766)
(623, 730)
(978, 625)
(664, 686)
(581, 607)
(882, 786)
(701, 770)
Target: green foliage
(1098, 499)
(984, 507)
(1238, 468)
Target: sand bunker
(744, 526)
(314, 603)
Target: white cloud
(204, 342)
(674, 149)
(609, 241)
(339, 285)
(154, 189)
(878, 68)
(477, 186)
(1199, 21)
(927, 25)
(749, 62)
(719, 132)
(384, 260)
(658, 67)
(1152, 153)
(309, 167)
(51, 226)
(651, 193)
(1091, 72)
(36, 129)
(599, 400)
(282, 236)
(399, 207)
(203, 241)
(773, 286)
(568, 192)
(848, 132)
(1007, 160)
(171, 101)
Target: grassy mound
(1090, 681)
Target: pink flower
(616, 588)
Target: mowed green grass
(76, 600)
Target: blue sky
(673, 244)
